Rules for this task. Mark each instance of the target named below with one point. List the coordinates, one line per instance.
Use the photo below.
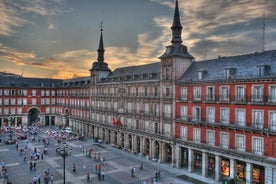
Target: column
(204, 164)
(177, 156)
(233, 168)
(173, 156)
(249, 171)
(160, 152)
(142, 145)
(190, 160)
(269, 175)
(150, 148)
(218, 168)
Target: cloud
(14, 13)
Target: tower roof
(176, 27)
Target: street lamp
(63, 151)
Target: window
(155, 91)
(263, 70)
(196, 135)
(257, 94)
(224, 116)
(146, 91)
(6, 101)
(19, 110)
(42, 92)
(240, 117)
(210, 93)
(137, 108)
(33, 92)
(137, 124)
(25, 92)
(156, 109)
(183, 133)
(53, 93)
(184, 113)
(224, 139)
(224, 93)
(24, 101)
(12, 101)
(167, 92)
(128, 91)
(272, 120)
(196, 114)
(258, 119)
(167, 110)
(240, 142)
(210, 114)
(197, 93)
(6, 92)
(33, 101)
(146, 108)
(272, 94)
(240, 94)
(137, 91)
(167, 74)
(42, 101)
(184, 93)
(129, 107)
(210, 137)
(257, 145)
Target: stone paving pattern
(117, 168)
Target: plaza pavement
(117, 168)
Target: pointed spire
(101, 46)
(176, 27)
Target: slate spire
(176, 27)
(101, 46)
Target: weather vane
(101, 26)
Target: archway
(155, 148)
(167, 152)
(130, 142)
(147, 147)
(33, 116)
(138, 141)
(67, 114)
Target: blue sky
(59, 38)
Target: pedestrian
(34, 180)
(103, 173)
(52, 179)
(24, 157)
(38, 179)
(31, 165)
(34, 165)
(88, 176)
(99, 176)
(96, 169)
(74, 167)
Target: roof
(147, 71)
(18, 81)
(240, 67)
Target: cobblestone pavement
(117, 167)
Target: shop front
(258, 174)
(225, 167)
(241, 171)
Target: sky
(59, 38)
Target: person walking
(88, 176)
(52, 179)
(74, 167)
(103, 173)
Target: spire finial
(101, 26)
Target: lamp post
(64, 151)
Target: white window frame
(240, 141)
(224, 139)
(197, 93)
(272, 120)
(210, 90)
(240, 117)
(196, 135)
(257, 145)
(258, 119)
(196, 114)
(210, 114)
(224, 118)
(211, 137)
(184, 93)
(240, 93)
(257, 93)
(224, 93)
(184, 112)
(183, 133)
(272, 93)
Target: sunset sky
(60, 38)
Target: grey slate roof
(18, 81)
(149, 71)
(244, 67)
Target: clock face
(168, 50)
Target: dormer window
(263, 70)
(200, 74)
(229, 72)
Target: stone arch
(146, 149)
(129, 142)
(167, 153)
(33, 116)
(155, 150)
(138, 144)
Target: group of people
(4, 172)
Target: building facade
(216, 118)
